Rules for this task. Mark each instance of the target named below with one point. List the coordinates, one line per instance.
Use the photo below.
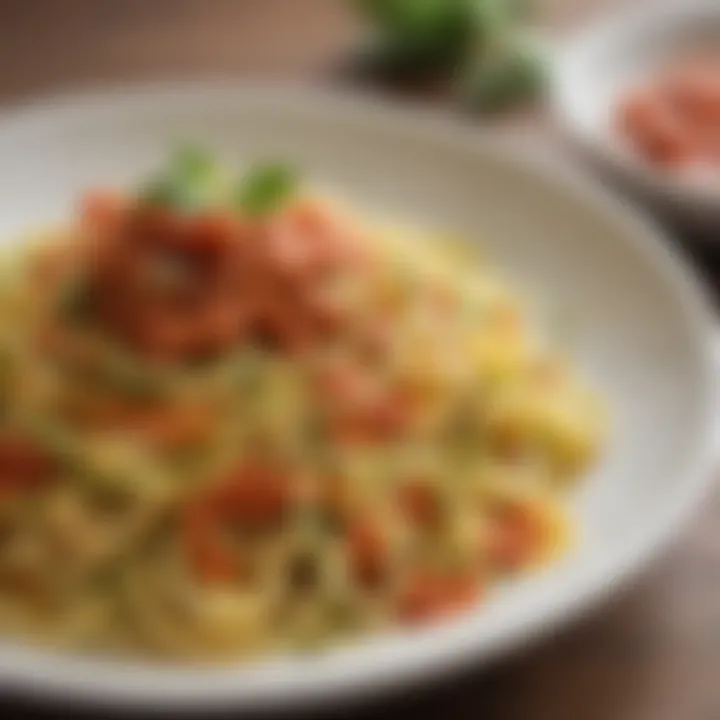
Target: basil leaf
(192, 162)
(516, 75)
(419, 37)
(189, 182)
(265, 188)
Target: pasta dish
(238, 418)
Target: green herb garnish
(501, 81)
(190, 181)
(422, 36)
(440, 41)
(265, 188)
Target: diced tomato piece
(255, 497)
(637, 111)
(344, 386)
(211, 232)
(515, 536)
(657, 129)
(349, 432)
(276, 324)
(252, 498)
(368, 551)
(419, 502)
(390, 417)
(375, 339)
(102, 209)
(209, 558)
(175, 427)
(160, 226)
(695, 92)
(428, 596)
(23, 465)
(378, 421)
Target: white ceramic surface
(643, 334)
(592, 71)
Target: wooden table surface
(652, 653)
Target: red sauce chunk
(673, 120)
(174, 285)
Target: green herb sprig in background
(477, 48)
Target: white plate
(643, 334)
(596, 67)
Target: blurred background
(49, 45)
(653, 653)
